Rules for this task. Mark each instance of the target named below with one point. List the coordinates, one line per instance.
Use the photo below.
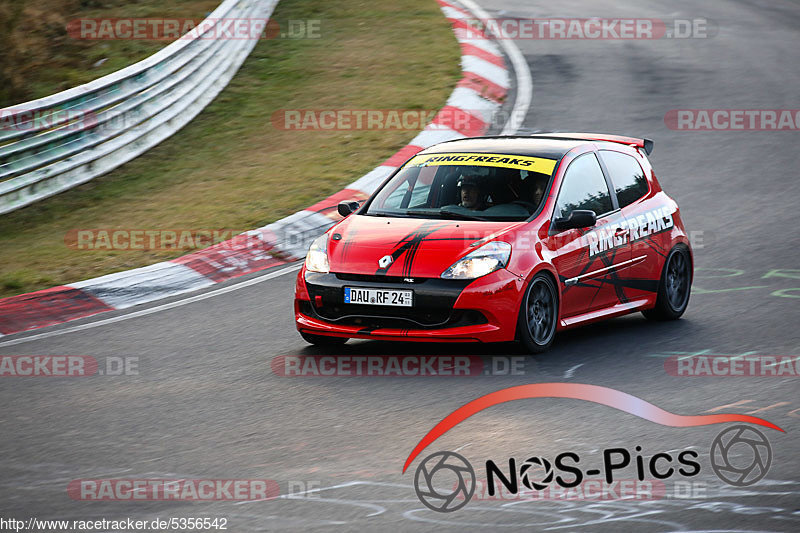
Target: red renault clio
(493, 239)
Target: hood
(418, 247)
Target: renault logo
(385, 261)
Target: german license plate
(358, 295)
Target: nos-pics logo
(446, 481)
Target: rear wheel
(323, 340)
(538, 315)
(674, 286)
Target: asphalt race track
(206, 402)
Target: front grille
(427, 317)
(369, 278)
(374, 317)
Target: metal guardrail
(60, 141)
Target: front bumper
(481, 310)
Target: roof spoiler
(646, 144)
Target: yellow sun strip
(520, 162)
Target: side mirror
(578, 218)
(346, 208)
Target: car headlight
(317, 256)
(485, 260)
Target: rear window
(626, 175)
(466, 185)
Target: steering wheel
(527, 205)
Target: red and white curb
(478, 94)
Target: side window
(411, 192)
(626, 175)
(395, 198)
(584, 187)
(422, 188)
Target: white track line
(156, 309)
(521, 72)
(571, 372)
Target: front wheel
(323, 340)
(674, 286)
(538, 315)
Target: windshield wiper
(407, 214)
(429, 213)
(459, 214)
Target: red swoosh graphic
(578, 391)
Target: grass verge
(230, 168)
(39, 57)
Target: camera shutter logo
(536, 463)
(445, 498)
(741, 456)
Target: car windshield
(466, 186)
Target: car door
(587, 259)
(649, 219)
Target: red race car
(493, 239)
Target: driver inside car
(471, 193)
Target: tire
(538, 314)
(674, 286)
(323, 340)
